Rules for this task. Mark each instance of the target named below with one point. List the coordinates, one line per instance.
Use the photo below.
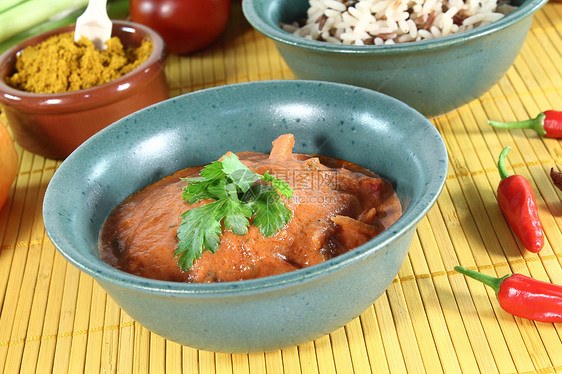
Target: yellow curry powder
(58, 64)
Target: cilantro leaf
(280, 185)
(200, 189)
(201, 220)
(271, 214)
(237, 199)
(213, 171)
(219, 189)
(236, 216)
(239, 173)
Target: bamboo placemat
(431, 319)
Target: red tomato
(8, 164)
(185, 25)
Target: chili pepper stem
(536, 124)
(501, 163)
(484, 278)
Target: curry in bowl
(271, 312)
(326, 207)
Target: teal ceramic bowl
(352, 123)
(433, 76)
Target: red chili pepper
(523, 296)
(547, 123)
(556, 177)
(517, 202)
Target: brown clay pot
(53, 125)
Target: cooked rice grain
(367, 22)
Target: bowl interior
(347, 122)
(266, 16)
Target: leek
(31, 13)
(6, 4)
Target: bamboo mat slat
(55, 319)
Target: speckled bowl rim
(88, 97)
(409, 220)
(277, 34)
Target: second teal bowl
(433, 76)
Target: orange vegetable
(8, 164)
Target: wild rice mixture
(368, 22)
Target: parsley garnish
(238, 198)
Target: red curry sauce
(336, 207)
